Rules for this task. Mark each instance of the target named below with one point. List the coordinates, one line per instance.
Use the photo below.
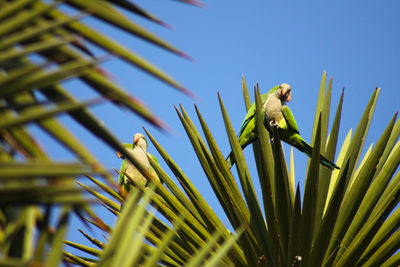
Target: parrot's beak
(119, 155)
(135, 139)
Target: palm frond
(43, 44)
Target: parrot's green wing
(289, 122)
(247, 132)
(153, 157)
(127, 145)
(121, 177)
(249, 116)
(252, 111)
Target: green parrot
(247, 132)
(278, 116)
(139, 151)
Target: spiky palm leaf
(346, 217)
(42, 44)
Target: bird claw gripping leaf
(274, 124)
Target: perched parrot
(247, 132)
(279, 116)
(139, 151)
(276, 115)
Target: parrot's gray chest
(141, 157)
(273, 109)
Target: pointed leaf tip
(164, 24)
(185, 56)
(196, 3)
(188, 93)
(176, 108)
(160, 124)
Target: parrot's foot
(274, 127)
(273, 124)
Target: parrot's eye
(286, 94)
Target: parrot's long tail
(306, 148)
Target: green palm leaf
(41, 29)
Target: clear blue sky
(358, 43)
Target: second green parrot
(138, 149)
